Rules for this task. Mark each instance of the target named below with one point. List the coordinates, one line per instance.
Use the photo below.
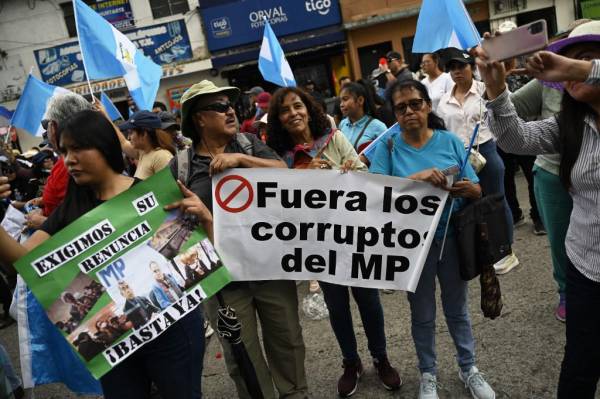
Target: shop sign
(117, 12)
(165, 43)
(235, 24)
(174, 95)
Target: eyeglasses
(393, 59)
(415, 105)
(221, 107)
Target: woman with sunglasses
(420, 151)
(92, 155)
(210, 121)
(461, 109)
(301, 133)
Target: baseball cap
(167, 120)
(263, 99)
(256, 90)
(393, 55)
(452, 54)
(142, 120)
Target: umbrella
(229, 327)
(491, 297)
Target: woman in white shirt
(437, 82)
(461, 109)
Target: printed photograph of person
(68, 311)
(141, 285)
(194, 265)
(165, 290)
(137, 309)
(172, 234)
(215, 261)
(99, 332)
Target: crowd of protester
(90, 160)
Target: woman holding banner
(420, 151)
(301, 133)
(92, 155)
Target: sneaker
(208, 330)
(387, 374)
(538, 228)
(506, 264)
(428, 386)
(561, 310)
(519, 221)
(476, 384)
(348, 382)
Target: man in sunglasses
(210, 121)
(59, 109)
(397, 69)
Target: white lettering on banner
(321, 6)
(123, 242)
(145, 203)
(123, 349)
(73, 248)
(368, 231)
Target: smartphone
(523, 40)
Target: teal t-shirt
(442, 151)
(352, 130)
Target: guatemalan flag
(271, 61)
(110, 108)
(443, 24)
(45, 355)
(32, 105)
(107, 53)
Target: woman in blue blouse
(420, 151)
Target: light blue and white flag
(32, 105)
(110, 108)
(382, 138)
(107, 53)
(271, 61)
(443, 24)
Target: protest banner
(121, 274)
(355, 229)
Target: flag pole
(81, 52)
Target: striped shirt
(541, 137)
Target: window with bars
(165, 8)
(67, 9)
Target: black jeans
(173, 362)
(512, 162)
(581, 365)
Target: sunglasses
(221, 107)
(415, 105)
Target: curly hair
(277, 137)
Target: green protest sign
(121, 274)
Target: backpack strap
(246, 144)
(362, 132)
(184, 165)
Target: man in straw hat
(208, 119)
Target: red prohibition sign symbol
(243, 186)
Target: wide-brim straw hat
(195, 93)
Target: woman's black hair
(359, 89)
(433, 121)
(277, 137)
(91, 130)
(571, 123)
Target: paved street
(520, 352)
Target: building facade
(558, 14)
(40, 36)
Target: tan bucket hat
(193, 94)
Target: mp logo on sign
(234, 194)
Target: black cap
(452, 54)
(167, 120)
(142, 120)
(393, 55)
